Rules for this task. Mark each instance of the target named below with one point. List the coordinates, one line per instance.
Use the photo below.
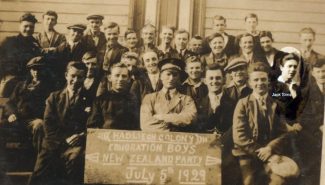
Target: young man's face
(170, 78)
(246, 44)
(112, 35)
(131, 63)
(307, 40)
(239, 75)
(214, 80)
(26, 28)
(119, 78)
(131, 40)
(259, 82)
(319, 74)
(166, 35)
(217, 45)
(148, 35)
(266, 43)
(195, 45)
(150, 60)
(91, 66)
(251, 24)
(75, 78)
(194, 70)
(289, 69)
(95, 24)
(49, 21)
(35, 73)
(75, 35)
(219, 26)
(181, 40)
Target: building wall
(69, 11)
(284, 18)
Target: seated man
(312, 120)
(61, 160)
(168, 110)
(258, 130)
(116, 108)
(26, 105)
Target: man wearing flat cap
(167, 109)
(71, 50)
(312, 120)
(25, 108)
(93, 37)
(18, 50)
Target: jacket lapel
(174, 101)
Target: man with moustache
(60, 160)
(312, 120)
(271, 54)
(258, 130)
(219, 26)
(166, 36)
(113, 50)
(217, 55)
(116, 108)
(167, 109)
(50, 39)
(16, 51)
(93, 37)
(149, 81)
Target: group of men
(261, 102)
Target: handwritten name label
(136, 157)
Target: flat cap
(80, 27)
(36, 62)
(234, 63)
(28, 17)
(171, 63)
(319, 63)
(95, 16)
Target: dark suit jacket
(208, 60)
(246, 130)
(16, 51)
(230, 49)
(62, 120)
(88, 39)
(256, 58)
(115, 111)
(234, 95)
(187, 53)
(142, 87)
(55, 41)
(201, 92)
(115, 57)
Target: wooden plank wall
(284, 18)
(69, 11)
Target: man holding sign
(168, 110)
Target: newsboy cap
(171, 63)
(319, 63)
(28, 17)
(95, 16)
(36, 62)
(234, 63)
(80, 27)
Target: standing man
(251, 23)
(61, 158)
(307, 39)
(219, 26)
(181, 39)
(16, 51)
(195, 45)
(50, 39)
(148, 35)
(113, 50)
(132, 41)
(149, 81)
(116, 108)
(166, 36)
(93, 37)
(258, 131)
(168, 110)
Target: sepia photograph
(162, 92)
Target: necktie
(262, 103)
(167, 95)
